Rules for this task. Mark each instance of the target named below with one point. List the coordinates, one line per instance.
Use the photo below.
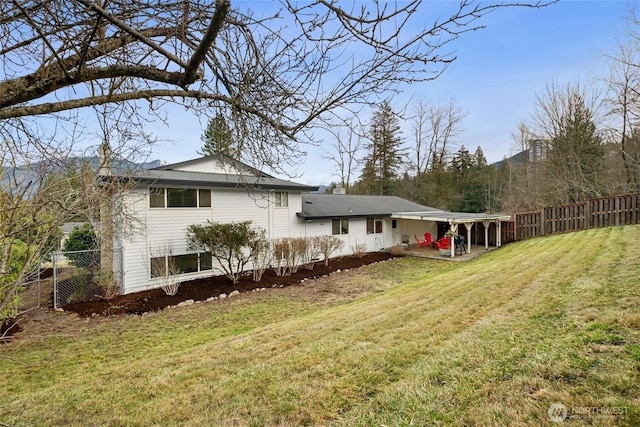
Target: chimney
(339, 189)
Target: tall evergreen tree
(384, 152)
(462, 161)
(479, 159)
(574, 163)
(218, 139)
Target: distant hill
(119, 166)
(32, 172)
(516, 159)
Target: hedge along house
(163, 202)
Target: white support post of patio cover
(452, 245)
(498, 233)
(486, 233)
(468, 226)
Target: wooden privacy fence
(602, 212)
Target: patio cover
(454, 219)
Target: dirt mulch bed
(7, 329)
(201, 289)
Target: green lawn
(492, 341)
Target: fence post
(54, 261)
(39, 281)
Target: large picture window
(374, 226)
(340, 226)
(182, 198)
(179, 198)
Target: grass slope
(493, 341)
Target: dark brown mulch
(8, 329)
(201, 289)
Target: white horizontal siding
(285, 222)
(168, 227)
(357, 234)
(211, 165)
(240, 205)
(164, 229)
(134, 242)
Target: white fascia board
(451, 217)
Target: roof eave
(338, 216)
(202, 183)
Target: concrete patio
(422, 252)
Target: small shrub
(229, 244)
(359, 249)
(261, 255)
(166, 274)
(81, 246)
(281, 257)
(17, 258)
(299, 249)
(107, 283)
(80, 282)
(396, 250)
(328, 245)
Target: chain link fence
(30, 296)
(29, 293)
(78, 276)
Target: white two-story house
(162, 202)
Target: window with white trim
(340, 226)
(179, 197)
(281, 199)
(374, 225)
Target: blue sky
(495, 80)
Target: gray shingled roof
(323, 206)
(200, 179)
(171, 175)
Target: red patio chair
(421, 243)
(427, 239)
(445, 243)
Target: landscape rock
(234, 293)
(186, 303)
(222, 296)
